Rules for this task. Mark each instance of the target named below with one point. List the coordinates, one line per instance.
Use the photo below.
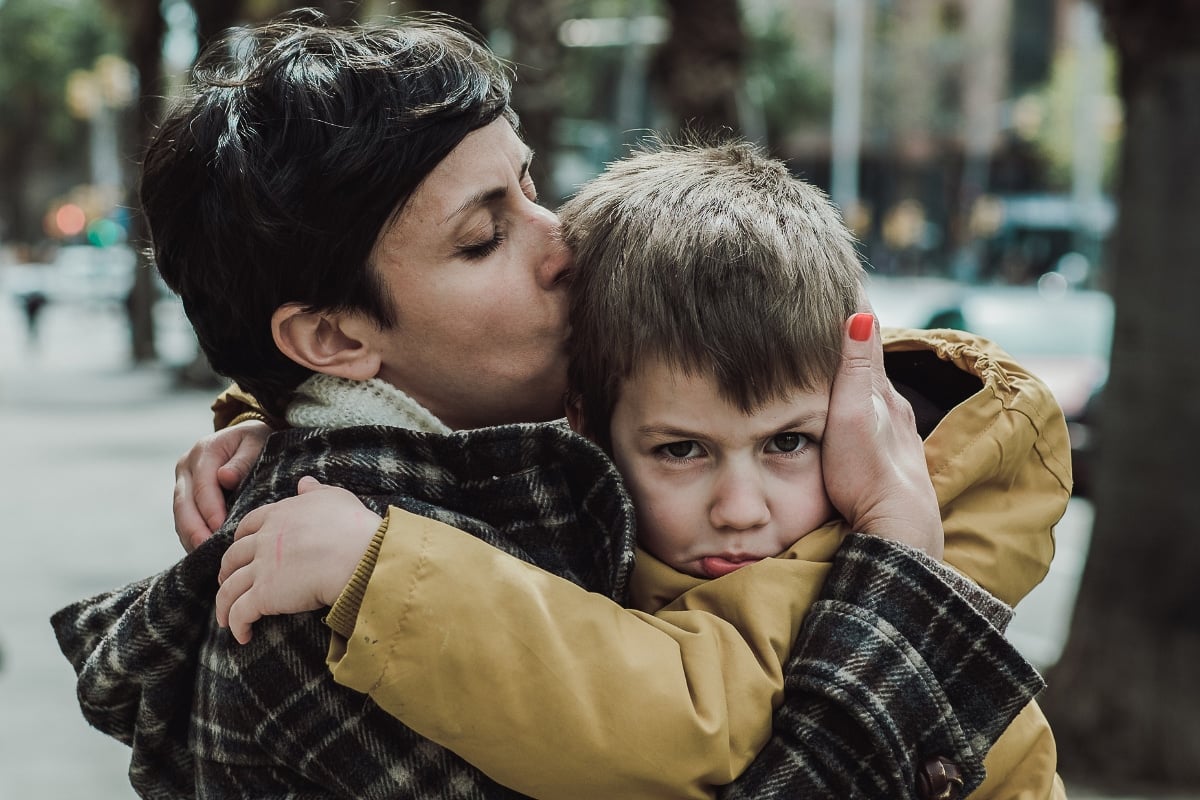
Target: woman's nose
(554, 264)
(739, 502)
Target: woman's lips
(716, 566)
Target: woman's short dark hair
(296, 145)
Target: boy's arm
(236, 405)
(1000, 465)
(597, 701)
(590, 700)
(612, 684)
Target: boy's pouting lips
(717, 488)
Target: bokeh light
(70, 219)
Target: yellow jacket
(674, 697)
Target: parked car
(916, 302)
(1060, 334)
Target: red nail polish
(861, 326)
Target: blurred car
(1062, 335)
(88, 274)
(916, 302)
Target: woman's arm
(628, 714)
(592, 690)
(561, 693)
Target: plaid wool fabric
(886, 635)
(209, 718)
(874, 685)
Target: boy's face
(716, 489)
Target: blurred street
(85, 489)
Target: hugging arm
(613, 686)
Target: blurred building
(952, 124)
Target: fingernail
(861, 326)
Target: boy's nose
(739, 503)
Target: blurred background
(1025, 169)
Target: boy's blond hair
(714, 258)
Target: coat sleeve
(900, 662)
(134, 652)
(1000, 462)
(1023, 763)
(601, 688)
(561, 693)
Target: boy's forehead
(661, 381)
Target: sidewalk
(85, 489)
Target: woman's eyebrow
(487, 196)
(481, 198)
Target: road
(89, 444)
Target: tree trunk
(701, 66)
(469, 11)
(214, 16)
(1123, 699)
(145, 53)
(538, 93)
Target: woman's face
(475, 269)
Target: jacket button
(939, 779)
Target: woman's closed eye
(485, 248)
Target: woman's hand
(871, 455)
(294, 555)
(219, 461)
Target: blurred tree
(40, 45)
(1045, 116)
(701, 67)
(144, 29)
(1124, 696)
(537, 54)
(214, 16)
(469, 11)
(782, 80)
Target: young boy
(707, 314)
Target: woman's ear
(324, 341)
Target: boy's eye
(787, 442)
(684, 449)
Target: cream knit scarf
(324, 401)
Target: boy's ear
(575, 417)
(324, 341)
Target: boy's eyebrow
(806, 418)
(487, 196)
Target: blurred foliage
(781, 79)
(41, 43)
(1046, 117)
